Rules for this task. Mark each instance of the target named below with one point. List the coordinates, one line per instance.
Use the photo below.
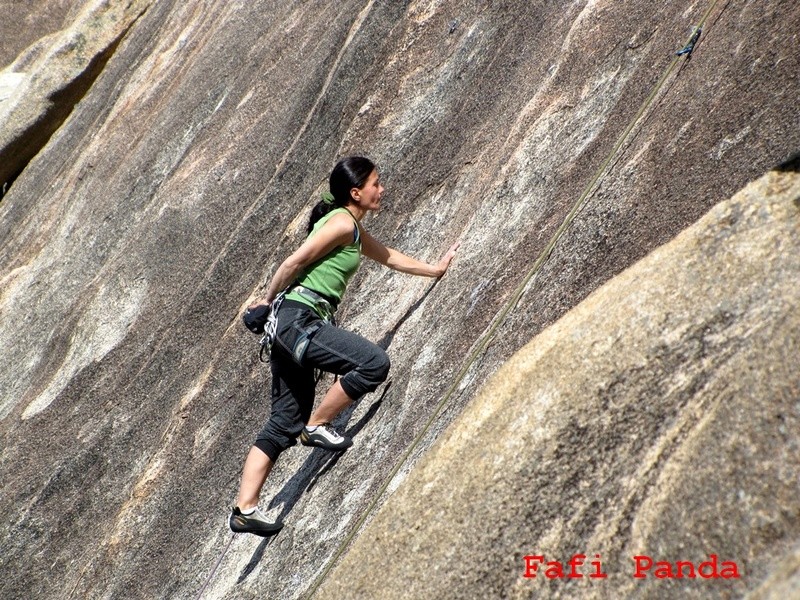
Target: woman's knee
(367, 376)
(278, 435)
(268, 447)
(381, 367)
(376, 370)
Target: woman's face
(369, 196)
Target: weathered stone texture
(40, 88)
(659, 417)
(26, 23)
(130, 242)
(784, 582)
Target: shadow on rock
(790, 165)
(387, 338)
(350, 433)
(256, 558)
(318, 463)
(321, 461)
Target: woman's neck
(355, 210)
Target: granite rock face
(783, 582)
(26, 23)
(180, 174)
(41, 87)
(659, 418)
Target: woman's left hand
(447, 258)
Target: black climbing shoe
(255, 523)
(325, 436)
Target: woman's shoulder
(336, 221)
(341, 222)
(339, 217)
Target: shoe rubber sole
(239, 523)
(306, 440)
(259, 532)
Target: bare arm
(394, 259)
(338, 231)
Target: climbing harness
(489, 335)
(265, 319)
(325, 310)
(269, 320)
(322, 306)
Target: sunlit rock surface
(182, 174)
(659, 418)
(40, 88)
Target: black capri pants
(305, 342)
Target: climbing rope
(489, 335)
(215, 567)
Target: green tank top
(329, 275)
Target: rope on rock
(215, 567)
(489, 335)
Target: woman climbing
(316, 276)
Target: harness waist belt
(321, 303)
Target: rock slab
(183, 175)
(660, 418)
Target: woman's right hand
(257, 303)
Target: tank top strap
(357, 230)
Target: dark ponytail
(351, 172)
